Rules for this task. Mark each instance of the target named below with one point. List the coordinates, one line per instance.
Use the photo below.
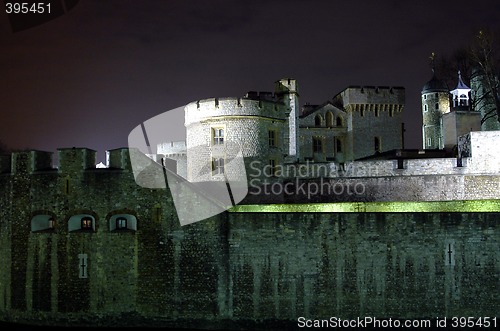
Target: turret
(435, 103)
(460, 95)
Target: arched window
(120, 222)
(339, 121)
(42, 222)
(329, 119)
(318, 120)
(81, 222)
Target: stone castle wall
(234, 266)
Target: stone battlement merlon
(231, 106)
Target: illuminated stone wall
(246, 124)
(243, 267)
(348, 265)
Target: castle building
(270, 130)
(81, 245)
(447, 115)
(358, 122)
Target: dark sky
(87, 78)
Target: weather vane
(432, 58)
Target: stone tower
(435, 103)
(286, 90)
(462, 118)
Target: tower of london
(369, 229)
(268, 127)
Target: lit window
(317, 145)
(42, 222)
(272, 138)
(121, 223)
(217, 166)
(218, 136)
(86, 223)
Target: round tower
(435, 103)
(218, 129)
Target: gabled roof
(313, 108)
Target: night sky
(87, 78)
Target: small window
(362, 111)
(339, 121)
(377, 111)
(218, 136)
(81, 222)
(317, 120)
(425, 108)
(338, 145)
(436, 106)
(425, 96)
(272, 138)
(42, 222)
(377, 144)
(429, 142)
(217, 166)
(121, 223)
(317, 145)
(436, 95)
(86, 223)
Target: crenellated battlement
(246, 106)
(384, 95)
(71, 160)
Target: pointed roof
(461, 85)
